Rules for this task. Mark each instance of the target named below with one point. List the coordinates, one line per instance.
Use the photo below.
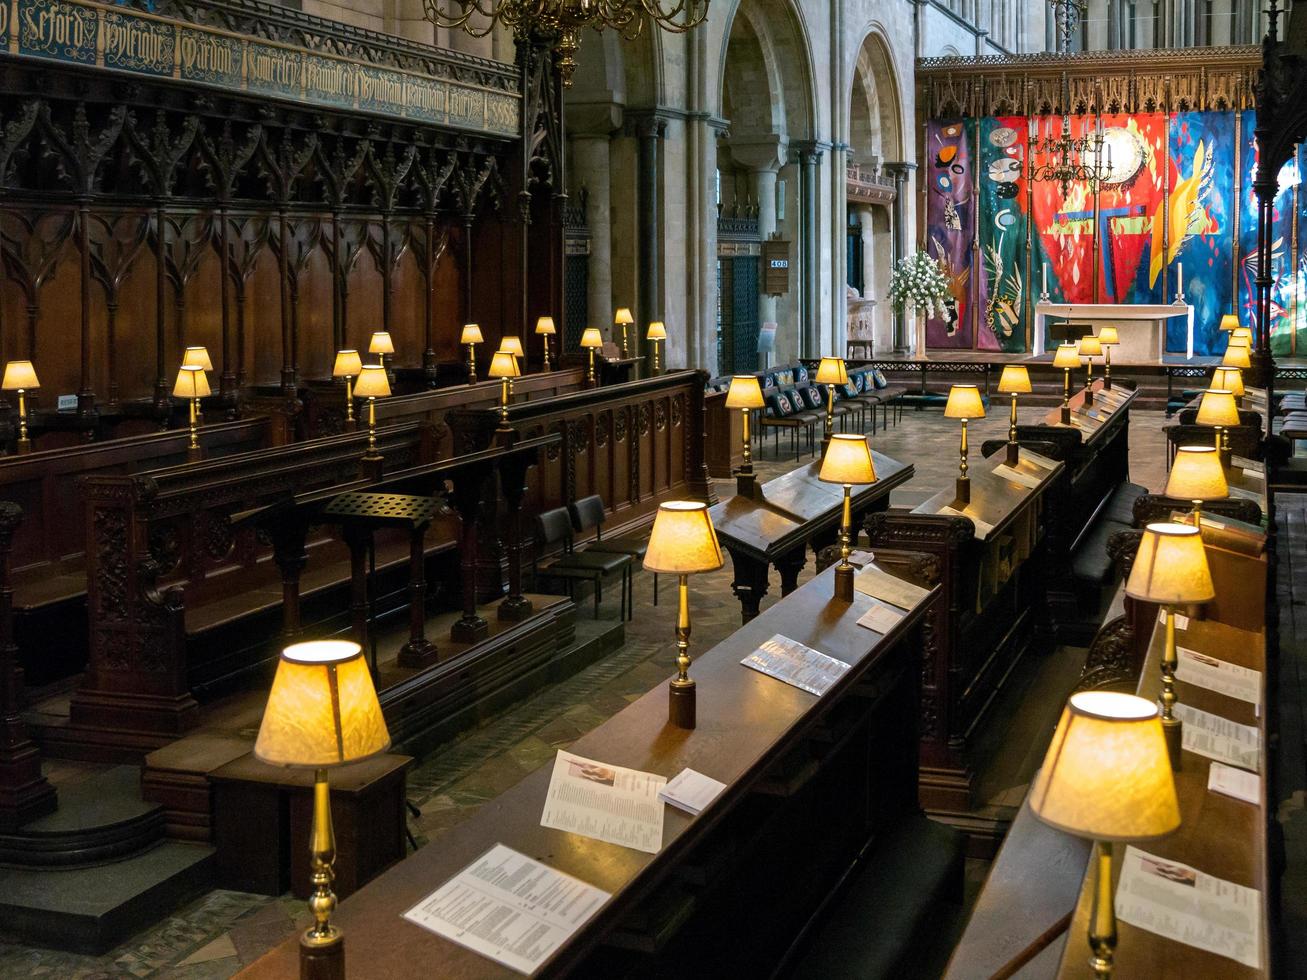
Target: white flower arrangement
(919, 283)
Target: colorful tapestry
(1130, 208)
(1281, 243)
(950, 217)
(1002, 267)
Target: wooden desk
(809, 780)
(775, 526)
(1218, 835)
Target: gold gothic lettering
(56, 26)
(206, 55)
(127, 41)
(270, 67)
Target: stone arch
(876, 126)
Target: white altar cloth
(1159, 313)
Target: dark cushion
(768, 381)
(779, 404)
(879, 379)
(813, 398)
(849, 390)
(784, 378)
(800, 375)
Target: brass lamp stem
(1198, 514)
(748, 454)
(372, 426)
(322, 848)
(349, 399)
(471, 364)
(1089, 381)
(830, 411)
(1066, 396)
(195, 434)
(655, 357)
(626, 350)
(592, 367)
(846, 526)
(1012, 425)
(1107, 368)
(1102, 928)
(681, 692)
(1170, 723)
(1222, 441)
(546, 338)
(503, 403)
(24, 442)
(962, 467)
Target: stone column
(867, 234)
(764, 155)
(810, 332)
(900, 172)
(649, 130)
(590, 170)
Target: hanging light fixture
(559, 22)
(1069, 158)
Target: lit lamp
(964, 403)
(1108, 338)
(623, 319)
(197, 357)
(20, 376)
(831, 372)
(383, 346)
(1067, 359)
(1170, 569)
(470, 337)
(1241, 335)
(592, 340)
(847, 460)
(192, 384)
(745, 394)
(1197, 475)
(1228, 379)
(682, 543)
(657, 332)
(514, 346)
(348, 366)
(1014, 381)
(1089, 348)
(1105, 777)
(1217, 408)
(372, 384)
(322, 712)
(504, 367)
(545, 329)
(1236, 356)
(1229, 322)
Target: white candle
(1179, 278)
(1045, 268)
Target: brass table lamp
(1229, 379)
(745, 394)
(383, 347)
(1197, 475)
(1105, 778)
(1236, 356)
(831, 372)
(847, 460)
(197, 357)
(20, 376)
(592, 340)
(322, 712)
(1014, 381)
(1068, 360)
(656, 334)
(504, 367)
(372, 384)
(513, 345)
(1171, 570)
(545, 329)
(348, 366)
(1089, 348)
(682, 543)
(1217, 408)
(1108, 338)
(469, 338)
(192, 384)
(1242, 335)
(1229, 321)
(623, 319)
(964, 403)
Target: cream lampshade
(682, 542)
(1108, 336)
(1014, 381)
(20, 376)
(847, 461)
(964, 402)
(372, 384)
(1228, 379)
(745, 393)
(471, 334)
(1197, 475)
(197, 357)
(1217, 408)
(1066, 357)
(624, 319)
(1170, 569)
(545, 326)
(831, 372)
(1241, 335)
(348, 364)
(1106, 778)
(381, 343)
(322, 712)
(503, 366)
(1236, 356)
(1229, 321)
(191, 383)
(512, 345)
(592, 338)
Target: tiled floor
(218, 933)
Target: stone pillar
(867, 234)
(1113, 25)
(765, 190)
(590, 170)
(900, 172)
(649, 130)
(810, 275)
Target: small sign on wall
(775, 267)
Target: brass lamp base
(1172, 731)
(1013, 453)
(322, 961)
(746, 482)
(963, 490)
(24, 446)
(680, 703)
(1089, 396)
(193, 454)
(1066, 415)
(844, 582)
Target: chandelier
(559, 22)
(1068, 158)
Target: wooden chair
(588, 513)
(554, 529)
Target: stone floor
(218, 933)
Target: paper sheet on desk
(509, 908)
(1219, 738)
(889, 588)
(1220, 676)
(982, 527)
(608, 803)
(1182, 903)
(1028, 480)
(691, 791)
(881, 617)
(1043, 462)
(796, 664)
(1237, 783)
